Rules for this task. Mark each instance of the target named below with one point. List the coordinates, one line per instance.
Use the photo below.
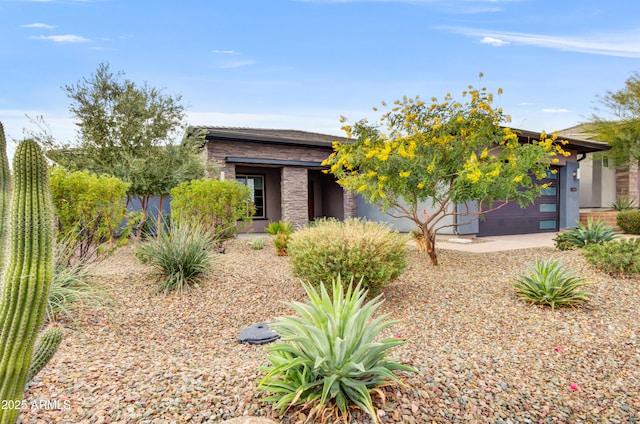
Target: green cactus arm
(46, 346)
(27, 277)
(5, 192)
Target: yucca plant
(71, 286)
(330, 361)
(179, 256)
(282, 231)
(583, 235)
(257, 243)
(548, 283)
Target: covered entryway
(325, 196)
(542, 216)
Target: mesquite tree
(446, 153)
(27, 277)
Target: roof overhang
(581, 146)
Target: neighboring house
(284, 169)
(600, 182)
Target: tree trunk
(159, 226)
(430, 245)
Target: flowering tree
(448, 153)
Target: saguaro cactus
(46, 346)
(5, 187)
(27, 277)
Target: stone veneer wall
(294, 181)
(627, 181)
(219, 150)
(295, 196)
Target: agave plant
(550, 284)
(583, 235)
(330, 361)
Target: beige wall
(597, 183)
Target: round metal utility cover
(259, 333)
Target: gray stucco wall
(374, 213)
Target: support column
(294, 190)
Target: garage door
(542, 216)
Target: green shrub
(583, 235)
(624, 202)
(363, 250)
(282, 231)
(179, 256)
(629, 221)
(548, 283)
(620, 257)
(564, 241)
(89, 209)
(216, 205)
(330, 358)
(257, 243)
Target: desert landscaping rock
(250, 420)
(484, 356)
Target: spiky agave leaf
(548, 283)
(329, 359)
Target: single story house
(283, 167)
(601, 182)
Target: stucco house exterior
(600, 181)
(284, 169)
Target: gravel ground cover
(484, 356)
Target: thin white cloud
(526, 104)
(493, 41)
(228, 64)
(552, 110)
(369, 1)
(223, 52)
(623, 44)
(39, 25)
(69, 38)
(228, 59)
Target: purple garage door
(542, 216)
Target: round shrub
(629, 221)
(365, 251)
(616, 258)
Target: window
(548, 224)
(548, 191)
(548, 207)
(256, 184)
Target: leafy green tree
(447, 152)
(125, 130)
(620, 124)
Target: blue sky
(300, 64)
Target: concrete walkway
(496, 243)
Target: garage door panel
(542, 216)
